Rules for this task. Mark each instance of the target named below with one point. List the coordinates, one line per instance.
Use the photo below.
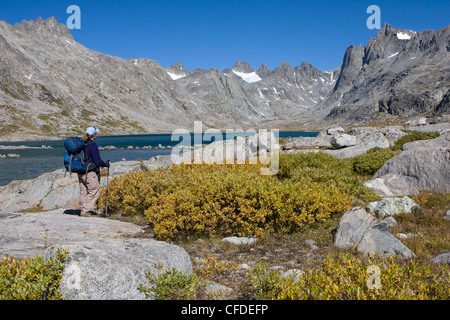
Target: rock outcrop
(399, 74)
(29, 234)
(114, 269)
(423, 165)
(359, 228)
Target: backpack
(74, 155)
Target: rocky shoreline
(37, 216)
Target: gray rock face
(422, 165)
(364, 140)
(378, 240)
(400, 72)
(29, 234)
(352, 226)
(391, 185)
(114, 269)
(368, 234)
(421, 168)
(443, 141)
(25, 194)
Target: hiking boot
(87, 214)
(96, 214)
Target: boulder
(416, 122)
(378, 240)
(393, 206)
(443, 141)
(366, 139)
(157, 162)
(114, 269)
(359, 228)
(311, 244)
(342, 140)
(65, 197)
(391, 185)
(443, 258)
(240, 240)
(21, 195)
(421, 169)
(352, 226)
(262, 144)
(335, 130)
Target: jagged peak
(263, 70)
(306, 66)
(41, 26)
(284, 66)
(177, 66)
(242, 66)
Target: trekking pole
(107, 187)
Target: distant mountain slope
(51, 87)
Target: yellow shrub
(351, 278)
(202, 200)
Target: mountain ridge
(52, 86)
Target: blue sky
(206, 34)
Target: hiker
(90, 181)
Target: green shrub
(203, 200)
(32, 278)
(348, 277)
(413, 136)
(325, 170)
(371, 161)
(172, 284)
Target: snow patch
(403, 36)
(260, 94)
(393, 55)
(248, 77)
(176, 76)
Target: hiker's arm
(96, 156)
